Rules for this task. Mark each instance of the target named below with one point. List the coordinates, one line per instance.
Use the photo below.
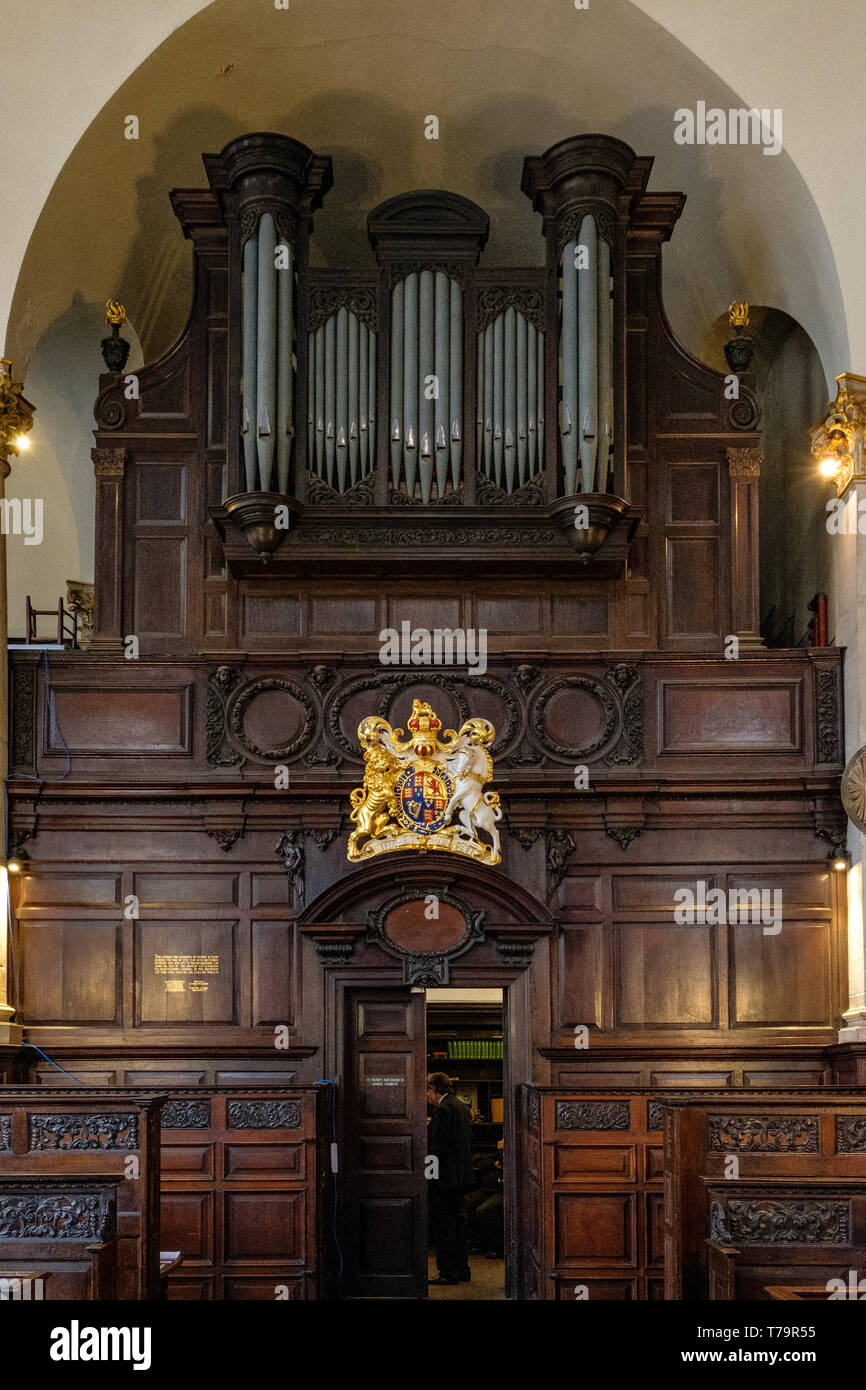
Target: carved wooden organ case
(426, 416)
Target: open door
(385, 1198)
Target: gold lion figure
(373, 804)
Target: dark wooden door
(384, 1147)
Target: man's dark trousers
(450, 1231)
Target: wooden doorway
(385, 1127)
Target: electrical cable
(324, 1081)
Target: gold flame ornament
(738, 314)
(115, 314)
(426, 791)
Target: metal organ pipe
(510, 390)
(442, 369)
(426, 382)
(248, 399)
(456, 383)
(410, 380)
(397, 338)
(426, 369)
(587, 355)
(568, 368)
(342, 421)
(586, 361)
(342, 389)
(266, 350)
(285, 334)
(605, 366)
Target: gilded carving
(413, 788)
(763, 1134)
(593, 1114)
(744, 464)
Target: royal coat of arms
(414, 788)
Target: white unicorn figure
(471, 766)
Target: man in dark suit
(449, 1141)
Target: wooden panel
(692, 587)
(736, 716)
(666, 976)
(160, 492)
(161, 890)
(142, 721)
(781, 979)
(595, 1162)
(580, 616)
(693, 492)
(342, 615)
(185, 973)
(187, 1225)
(429, 612)
(159, 586)
(272, 967)
(264, 1225)
(509, 614)
(270, 615)
(263, 1160)
(71, 972)
(651, 891)
(270, 889)
(578, 967)
(68, 889)
(598, 1227)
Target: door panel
(385, 1139)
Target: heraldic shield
(425, 792)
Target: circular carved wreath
(854, 788)
(571, 752)
(238, 709)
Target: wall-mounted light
(22, 442)
(828, 466)
(841, 861)
(14, 866)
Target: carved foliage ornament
(264, 1114)
(493, 300)
(82, 1132)
(108, 463)
(767, 1134)
(186, 1114)
(423, 792)
(780, 1221)
(325, 300)
(569, 226)
(850, 1134)
(56, 1216)
(5, 1132)
(593, 1114)
(827, 714)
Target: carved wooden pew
(770, 1187)
(79, 1189)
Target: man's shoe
(443, 1280)
(466, 1276)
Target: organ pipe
(248, 402)
(442, 369)
(426, 369)
(266, 350)
(342, 385)
(396, 429)
(426, 408)
(587, 355)
(510, 385)
(586, 345)
(267, 334)
(285, 285)
(456, 382)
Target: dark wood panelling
(698, 717)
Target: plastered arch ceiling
(355, 78)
